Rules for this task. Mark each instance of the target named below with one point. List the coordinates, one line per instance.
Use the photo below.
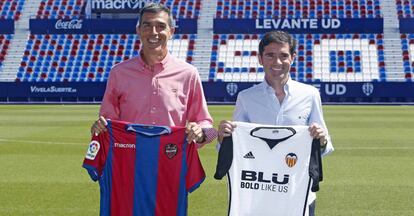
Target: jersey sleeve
(195, 172)
(315, 165)
(95, 157)
(225, 158)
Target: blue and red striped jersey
(143, 170)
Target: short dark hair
(156, 8)
(278, 37)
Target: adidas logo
(249, 155)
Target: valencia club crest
(291, 159)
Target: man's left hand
(194, 133)
(317, 132)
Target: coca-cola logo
(69, 24)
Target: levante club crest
(171, 150)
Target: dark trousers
(312, 208)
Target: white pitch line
(375, 148)
(40, 142)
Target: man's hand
(225, 129)
(99, 126)
(317, 132)
(194, 133)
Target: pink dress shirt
(169, 94)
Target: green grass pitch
(371, 172)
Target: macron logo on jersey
(125, 145)
(249, 155)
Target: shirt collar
(269, 90)
(162, 63)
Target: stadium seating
(405, 8)
(85, 57)
(65, 9)
(4, 45)
(407, 44)
(298, 9)
(320, 57)
(184, 8)
(60, 9)
(11, 9)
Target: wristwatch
(324, 143)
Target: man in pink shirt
(155, 87)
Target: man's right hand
(99, 126)
(225, 129)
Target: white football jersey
(270, 169)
